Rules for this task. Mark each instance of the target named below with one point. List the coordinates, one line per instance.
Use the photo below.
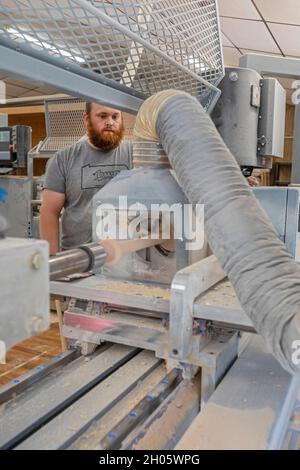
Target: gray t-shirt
(79, 172)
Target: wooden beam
(23, 109)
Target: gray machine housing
(16, 208)
(24, 277)
(283, 208)
(250, 117)
(155, 263)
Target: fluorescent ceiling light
(195, 61)
(45, 45)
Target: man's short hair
(88, 108)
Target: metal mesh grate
(64, 117)
(147, 45)
(53, 144)
(64, 124)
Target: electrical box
(271, 121)
(250, 117)
(15, 143)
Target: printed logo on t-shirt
(96, 176)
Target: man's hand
(252, 181)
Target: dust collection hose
(265, 277)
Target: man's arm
(52, 204)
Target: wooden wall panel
(37, 122)
(289, 120)
(281, 172)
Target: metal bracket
(187, 285)
(214, 353)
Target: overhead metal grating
(145, 46)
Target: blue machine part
(3, 194)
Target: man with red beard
(76, 173)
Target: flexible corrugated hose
(265, 277)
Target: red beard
(106, 140)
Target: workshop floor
(31, 353)
(39, 349)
